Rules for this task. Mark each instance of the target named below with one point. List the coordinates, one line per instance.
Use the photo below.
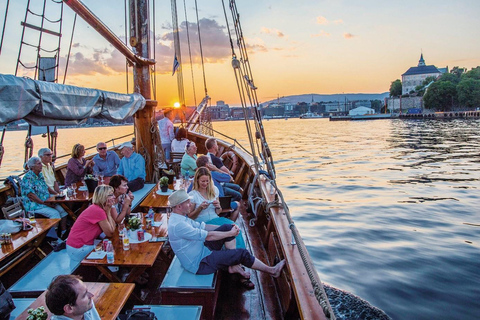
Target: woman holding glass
(78, 166)
(96, 219)
(205, 206)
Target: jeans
(232, 189)
(167, 148)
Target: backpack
(141, 315)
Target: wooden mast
(139, 57)
(139, 40)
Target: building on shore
(415, 76)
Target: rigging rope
(3, 29)
(2, 148)
(28, 144)
(201, 51)
(190, 53)
(178, 55)
(70, 47)
(126, 41)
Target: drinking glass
(31, 217)
(74, 188)
(101, 178)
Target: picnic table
(83, 198)
(140, 256)
(109, 299)
(25, 243)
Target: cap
(178, 197)
(126, 144)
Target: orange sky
(295, 47)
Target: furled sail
(43, 103)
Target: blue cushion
(175, 312)
(141, 194)
(39, 278)
(20, 306)
(178, 277)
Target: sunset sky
(295, 46)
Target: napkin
(97, 255)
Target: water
(382, 205)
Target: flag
(175, 65)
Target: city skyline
(295, 47)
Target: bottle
(126, 243)
(110, 252)
(150, 213)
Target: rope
(3, 31)
(2, 148)
(201, 51)
(70, 47)
(190, 54)
(28, 144)
(154, 68)
(126, 41)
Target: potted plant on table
(133, 224)
(164, 184)
(37, 314)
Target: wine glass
(101, 175)
(74, 188)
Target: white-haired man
(198, 246)
(48, 172)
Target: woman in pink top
(91, 223)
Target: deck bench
(21, 304)
(181, 287)
(39, 277)
(173, 312)
(141, 194)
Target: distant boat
(310, 115)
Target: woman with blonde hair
(78, 166)
(97, 218)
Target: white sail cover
(43, 103)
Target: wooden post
(140, 42)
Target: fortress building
(416, 75)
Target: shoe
(141, 281)
(58, 245)
(246, 283)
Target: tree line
(450, 91)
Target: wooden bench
(173, 312)
(141, 194)
(21, 304)
(181, 287)
(39, 277)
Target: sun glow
(176, 105)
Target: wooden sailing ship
(269, 230)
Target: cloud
(80, 65)
(322, 20)
(322, 33)
(347, 35)
(215, 43)
(339, 21)
(276, 32)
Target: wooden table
(24, 243)
(155, 200)
(109, 299)
(82, 197)
(140, 256)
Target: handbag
(6, 303)
(141, 315)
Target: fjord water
(383, 206)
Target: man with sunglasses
(106, 161)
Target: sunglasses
(102, 148)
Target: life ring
(232, 158)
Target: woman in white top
(180, 141)
(205, 204)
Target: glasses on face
(111, 195)
(102, 148)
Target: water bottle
(110, 252)
(150, 213)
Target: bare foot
(278, 268)
(238, 269)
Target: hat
(178, 197)
(126, 144)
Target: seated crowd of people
(198, 227)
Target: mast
(139, 57)
(140, 41)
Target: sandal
(246, 283)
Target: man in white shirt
(67, 297)
(45, 155)
(198, 246)
(165, 128)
